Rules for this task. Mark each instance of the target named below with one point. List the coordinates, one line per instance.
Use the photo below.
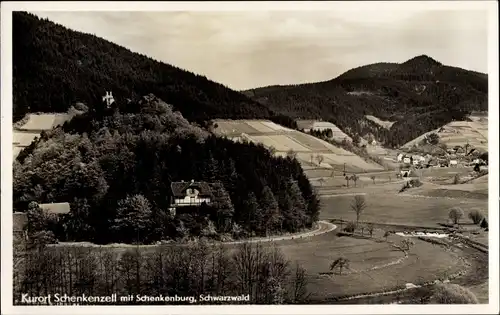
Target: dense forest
(54, 67)
(115, 165)
(419, 95)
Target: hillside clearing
(38, 122)
(384, 123)
(337, 133)
(282, 140)
(458, 133)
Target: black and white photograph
(224, 154)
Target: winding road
(323, 227)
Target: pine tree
(223, 206)
(270, 209)
(133, 218)
(297, 206)
(250, 211)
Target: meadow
(374, 265)
(399, 209)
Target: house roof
(19, 221)
(55, 208)
(179, 188)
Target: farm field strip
(45, 121)
(229, 127)
(309, 141)
(16, 151)
(274, 126)
(24, 138)
(39, 122)
(353, 160)
(280, 143)
(259, 126)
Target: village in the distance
(136, 182)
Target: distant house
(407, 160)
(189, 194)
(400, 157)
(479, 161)
(453, 162)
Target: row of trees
(456, 214)
(115, 167)
(261, 272)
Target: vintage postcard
(250, 157)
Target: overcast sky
(250, 49)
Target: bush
(415, 183)
(411, 183)
(350, 227)
(476, 216)
(484, 224)
(455, 215)
(452, 294)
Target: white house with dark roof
(191, 193)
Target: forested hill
(54, 67)
(115, 166)
(420, 94)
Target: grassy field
(44, 121)
(374, 266)
(23, 139)
(338, 182)
(389, 207)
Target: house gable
(190, 193)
